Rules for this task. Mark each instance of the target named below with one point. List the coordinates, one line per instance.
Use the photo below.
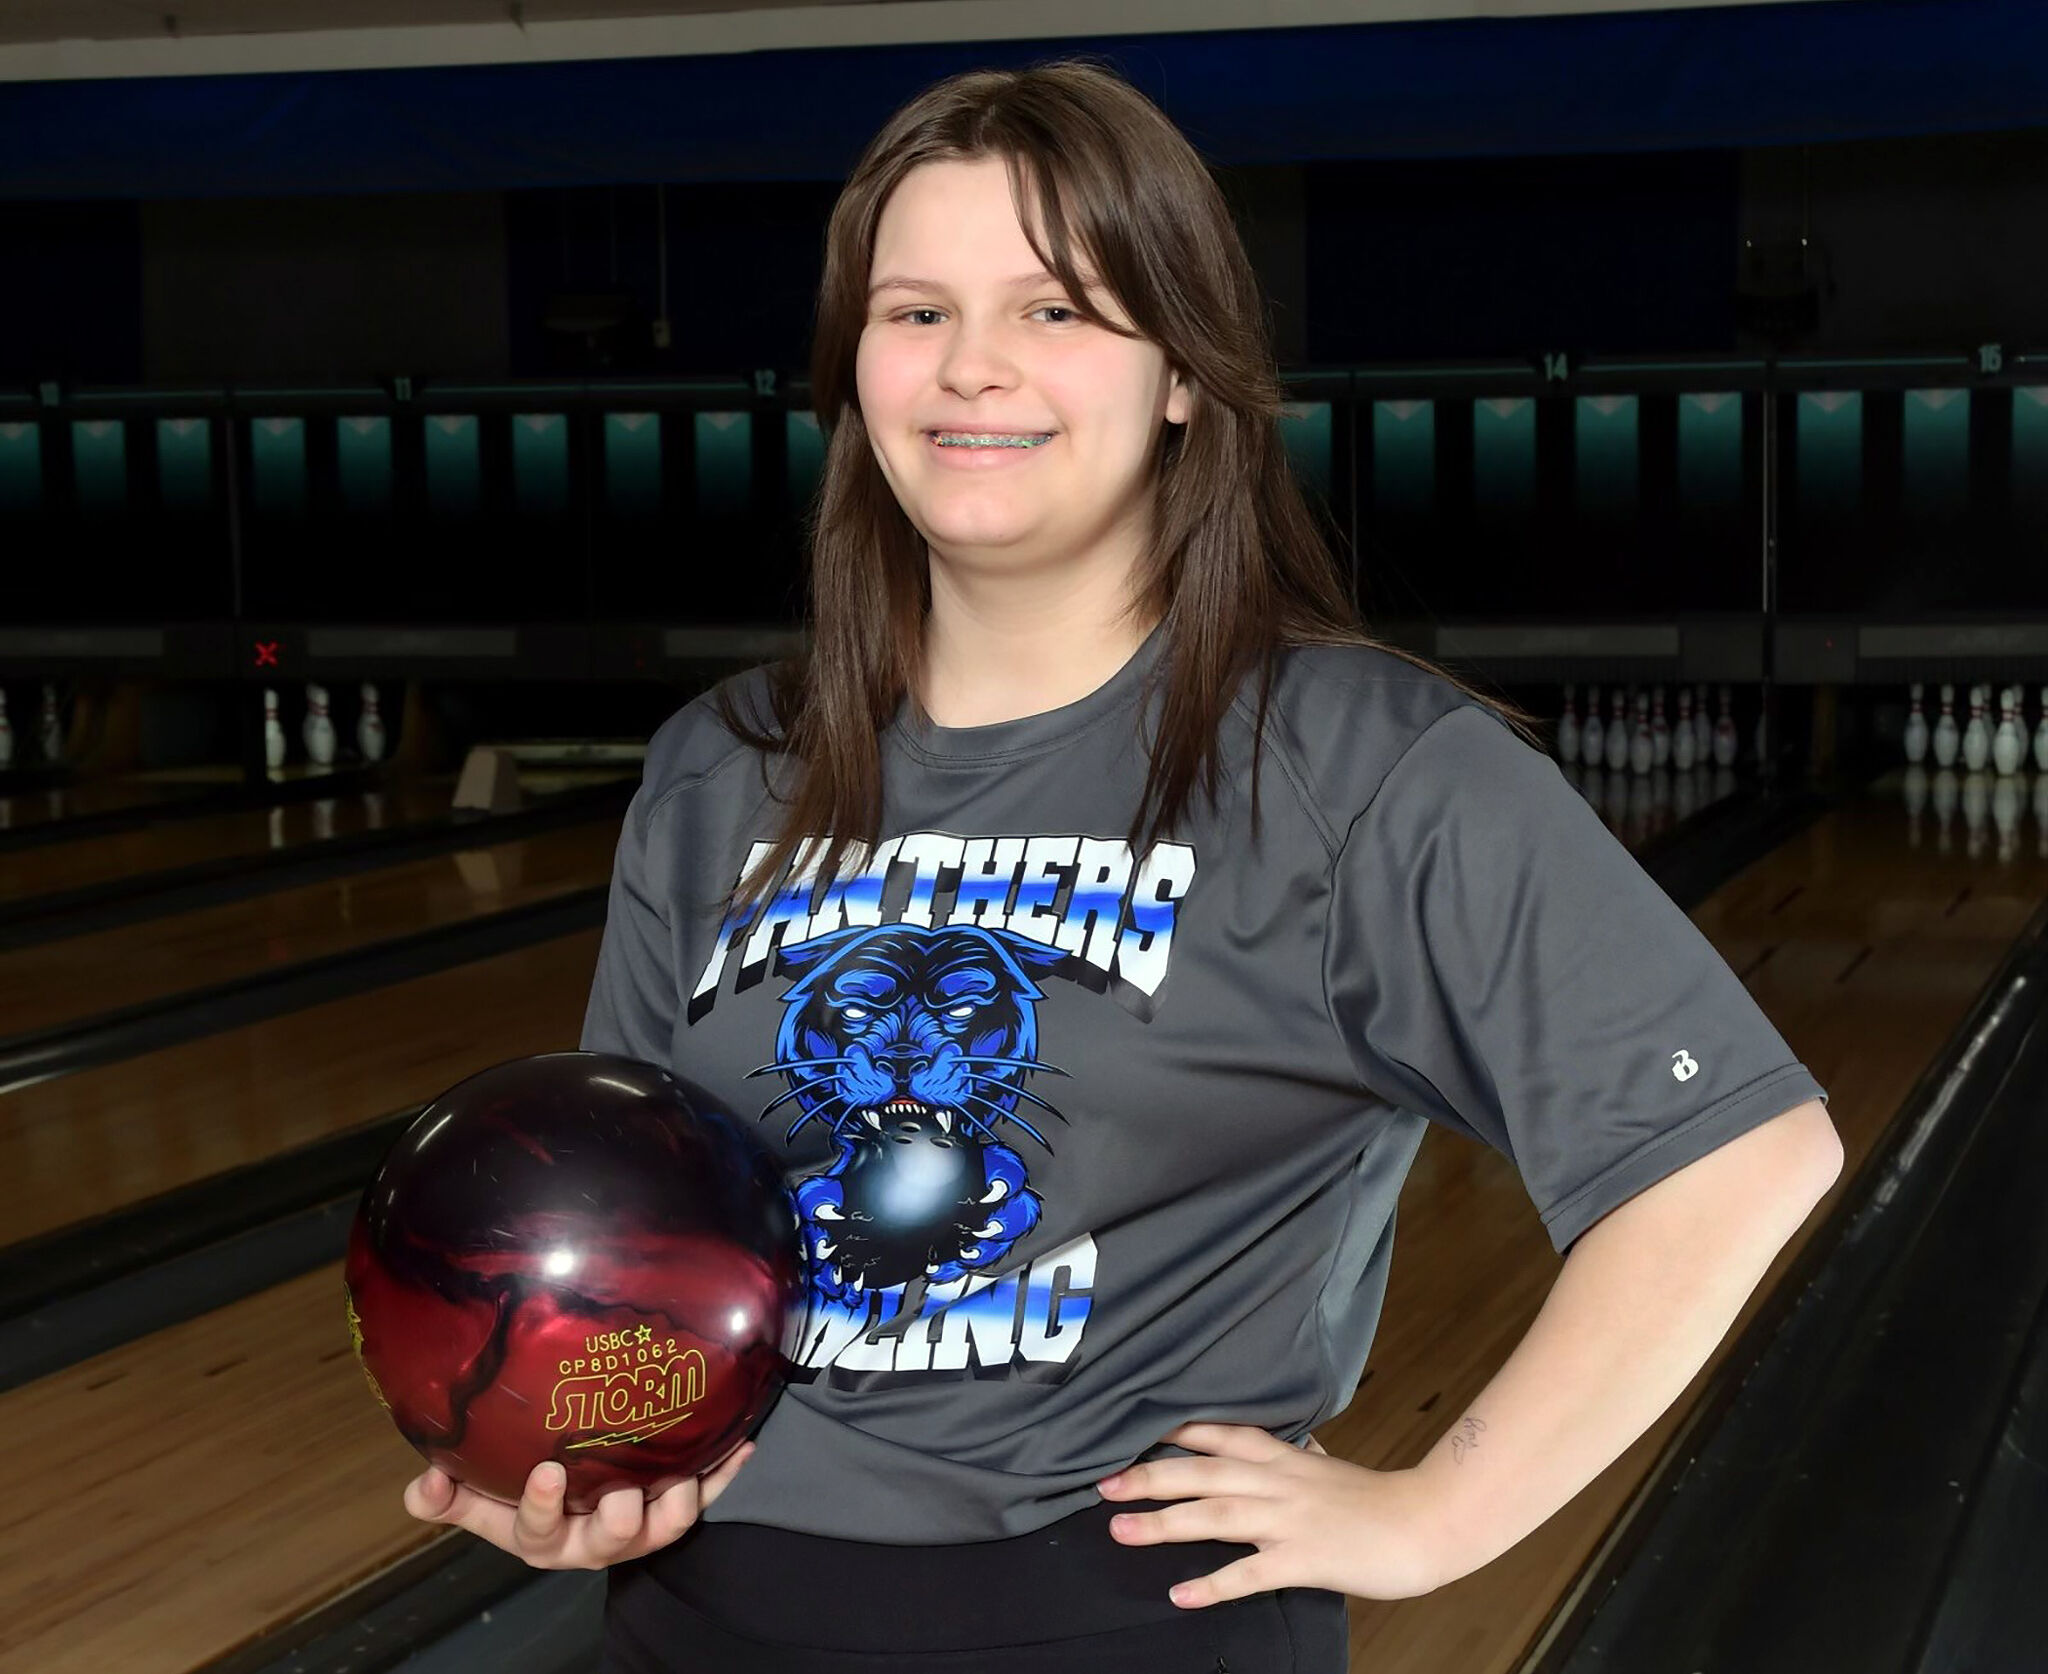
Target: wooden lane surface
(252, 831)
(86, 1144)
(21, 807)
(246, 1475)
(196, 1487)
(1637, 807)
(1867, 954)
(64, 982)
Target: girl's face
(964, 333)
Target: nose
(975, 360)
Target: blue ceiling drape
(1614, 82)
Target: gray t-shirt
(1090, 1144)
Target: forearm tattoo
(1465, 1438)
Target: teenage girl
(1094, 918)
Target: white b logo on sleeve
(1683, 1066)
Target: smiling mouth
(974, 439)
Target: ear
(1180, 399)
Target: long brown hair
(1235, 566)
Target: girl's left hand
(1316, 1521)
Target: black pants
(735, 1598)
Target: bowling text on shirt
(1030, 1321)
(1090, 896)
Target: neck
(986, 661)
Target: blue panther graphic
(910, 1044)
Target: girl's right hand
(625, 1525)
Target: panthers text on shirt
(1088, 896)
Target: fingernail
(1179, 1595)
(553, 1477)
(1110, 1484)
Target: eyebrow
(898, 282)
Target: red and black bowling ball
(582, 1258)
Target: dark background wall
(1931, 241)
(288, 288)
(1597, 255)
(1919, 243)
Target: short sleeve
(1496, 961)
(633, 1003)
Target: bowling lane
(89, 1143)
(161, 847)
(1641, 807)
(1867, 952)
(257, 1415)
(63, 982)
(23, 805)
(190, 1490)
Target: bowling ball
(576, 1257)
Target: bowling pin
(6, 735)
(319, 729)
(1725, 747)
(2009, 744)
(1593, 736)
(1702, 726)
(1977, 735)
(1618, 733)
(1660, 732)
(1642, 748)
(1685, 748)
(273, 732)
(1946, 737)
(370, 727)
(52, 728)
(1916, 730)
(1567, 730)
